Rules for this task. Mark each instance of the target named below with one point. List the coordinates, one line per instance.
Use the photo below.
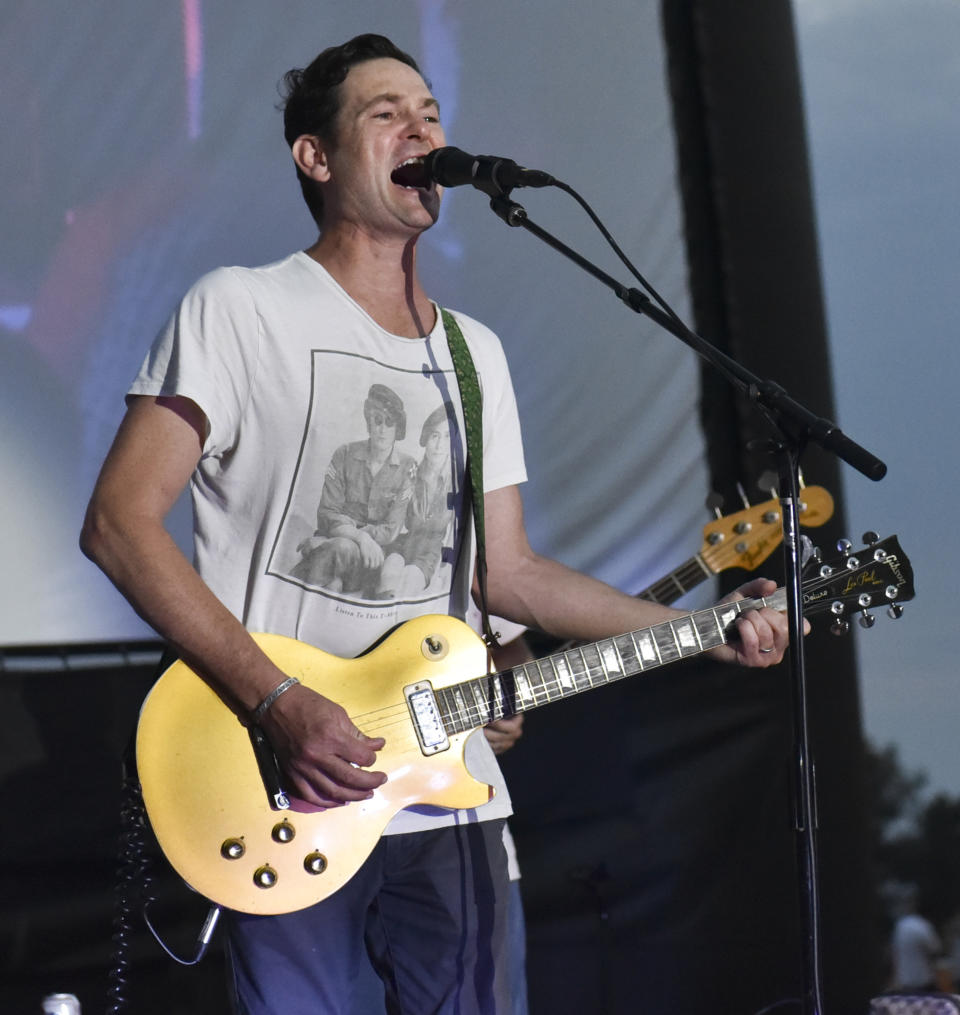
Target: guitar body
(202, 787)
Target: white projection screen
(142, 147)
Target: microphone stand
(797, 426)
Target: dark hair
(311, 97)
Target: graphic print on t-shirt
(371, 515)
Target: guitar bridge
(426, 717)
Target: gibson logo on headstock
(894, 564)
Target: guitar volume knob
(283, 832)
(265, 876)
(232, 849)
(315, 863)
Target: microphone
(451, 167)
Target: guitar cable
(134, 883)
(134, 879)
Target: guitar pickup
(426, 717)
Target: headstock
(877, 575)
(746, 538)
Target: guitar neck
(678, 583)
(474, 703)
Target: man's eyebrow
(394, 98)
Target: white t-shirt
(292, 375)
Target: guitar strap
(472, 402)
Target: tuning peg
(867, 619)
(844, 546)
(871, 538)
(895, 611)
(768, 483)
(839, 627)
(714, 504)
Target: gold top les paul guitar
(229, 832)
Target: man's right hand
(322, 752)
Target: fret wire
(507, 692)
(676, 640)
(693, 624)
(530, 699)
(563, 671)
(456, 719)
(545, 680)
(691, 575)
(656, 645)
(622, 668)
(603, 666)
(665, 641)
(499, 695)
(444, 706)
(586, 666)
(565, 675)
(706, 630)
(702, 565)
(476, 701)
(602, 661)
(539, 684)
(486, 701)
(493, 696)
(636, 650)
(456, 710)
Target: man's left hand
(762, 635)
(504, 733)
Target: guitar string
(553, 686)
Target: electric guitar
(744, 539)
(213, 793)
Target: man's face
(387, 116)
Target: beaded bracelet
(261, 710)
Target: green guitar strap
(472, 402)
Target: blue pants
(430, 910)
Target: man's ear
(310, 154)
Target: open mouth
(410, 174)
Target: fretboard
(476, 702)
(677, 583)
